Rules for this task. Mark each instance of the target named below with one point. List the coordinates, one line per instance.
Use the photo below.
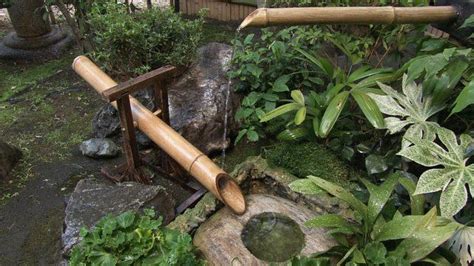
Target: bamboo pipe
(264, 17)
(198, 164)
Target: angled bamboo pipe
(264, 17)
(189, 157)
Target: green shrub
(130, 44)
(303, 159)
(133, 239)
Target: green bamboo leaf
(321, 63)
(280, 111)
(316, 123)
(379, 195)
(305, 186)
(362, 73)
(300, 116)
(297, 96)
(369, 108)
(330, 221)
(332, 113)
(293, 134)
(417, 202)
(340, 193)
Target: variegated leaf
(409, 108)
(451, 180)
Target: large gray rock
(197, 101)
(92, 200)
(99, 148)
(9, 156)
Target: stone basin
(220, 237)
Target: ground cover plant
(132, 239)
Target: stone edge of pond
(257, 168)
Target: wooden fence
(218, 10)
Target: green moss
(16, 79)
(303, 159)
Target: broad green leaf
(280, 84)
(375, 164)
(300, 116)
(408, 109)
(426, 238)
(329, 221)
(417, 202)
(332, 113)
(241, 134)
(369, 108)
(126, 219)
(452, 178)
(252, 135)
(280, 111)
(362, 73)
(293, 134)
(340, 193)
(305, 186)
(375, 253)
(298, 97)
(316, 124)
(468, 23)
(398, 228)
(379, 195)
(321, 63)
(464, 99)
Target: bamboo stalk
(264, 17)
(184, 153)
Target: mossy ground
(309, 158)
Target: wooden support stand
(131, 169)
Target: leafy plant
(131, 44)
(373, 240)
(324, 109)
(412, 109)
(132, 239)
(456, 173)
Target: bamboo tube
(264, 17)
(189, 157)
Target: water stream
(226, 105)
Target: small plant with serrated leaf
(456, 173)
(132, 239)
(412, 238)
(410, 109)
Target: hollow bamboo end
(257, 18)
(77, 60)
(230, 193)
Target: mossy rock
(309, 158)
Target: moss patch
(303, 159)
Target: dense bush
(131, 239)
(130, 44)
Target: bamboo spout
(189, 157)
(264, 17)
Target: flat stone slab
(219, 238)
(92, 200)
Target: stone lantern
(34, 38)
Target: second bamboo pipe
(189, 157)
(264, 17)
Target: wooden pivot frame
(130, 170)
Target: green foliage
(303, 159)
(325, 108)
(455, 174)
(400, 240)
(130, 44)
(413, 108)
(264, 67)
(133, 239)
